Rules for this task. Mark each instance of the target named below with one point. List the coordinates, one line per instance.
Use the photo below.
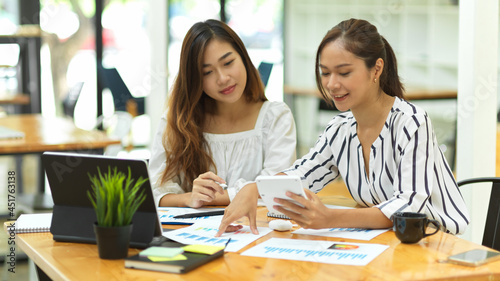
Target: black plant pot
(112, 242)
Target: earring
(375, 80)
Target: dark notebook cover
(193, 261)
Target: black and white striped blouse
(408, 171)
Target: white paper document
(7, 133)
(204, 233)
(331, 252)
(349, 233)
(167, 215)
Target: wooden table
(421, 261)
(48, 134)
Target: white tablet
(271, 187)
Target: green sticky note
(160, 259)
(202, 249)
(161, 252)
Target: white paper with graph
(204, 233)
(167, 215)
(331, 252)
(349, 233)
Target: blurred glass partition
(258, 23)
(260, 26)
(181, 16)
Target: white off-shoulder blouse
(240, 157)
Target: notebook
(33, 223)
(188, 260)
(73, 215)
(276, 215)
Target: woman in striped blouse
(382, 146)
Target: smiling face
(224, 74)
(345, 77)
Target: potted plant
(115, 198)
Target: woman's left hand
(205, 189)
(314, 214)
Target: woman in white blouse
(384, 147)
(219, 127)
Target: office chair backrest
(265, 69)
(71, 98)
(121, 95)
(491, 236)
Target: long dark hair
(187, 152)
(363, 40)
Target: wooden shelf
(28, 76)
(19, 99)
(27, 30)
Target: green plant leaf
(115, 196)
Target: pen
(200, 214)
(225, 246)
(223, 185)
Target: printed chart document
(350, 233)
(331, 252)
(204, 233)
(167, 215)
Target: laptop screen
(73, 214)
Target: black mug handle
(436, 224)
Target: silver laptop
(73, 214)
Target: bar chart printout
(204, 233)
(317, 251)
(167, 215)
(349, 233)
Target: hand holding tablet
(271, 187)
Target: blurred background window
(9, 53)
(258, 23)
(69, 53)
(68, 57)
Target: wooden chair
(491, 236)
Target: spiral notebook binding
(275, 215)
(39, 222)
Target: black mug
(410, 227)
